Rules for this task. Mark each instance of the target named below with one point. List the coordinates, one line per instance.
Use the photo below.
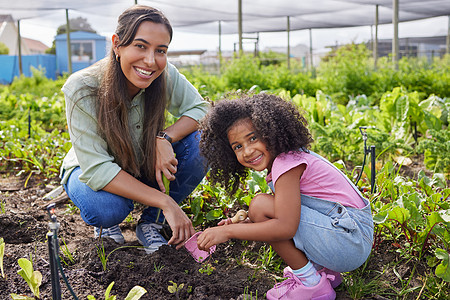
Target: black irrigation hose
(58, 262)
(54, 256)
(365, 153)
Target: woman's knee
(261, 208)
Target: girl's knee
(261, 208)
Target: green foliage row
(345, 74)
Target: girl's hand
(210, 237)
(166, 163)
(225, 222)
(240, 217)
(180, 224)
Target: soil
(24, 224)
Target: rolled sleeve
(89, 149)
(184, 99)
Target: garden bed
(227, 274)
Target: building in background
(86, 47)
(433, 46)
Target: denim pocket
(344, 221)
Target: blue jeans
(337, 237)
(106, 209)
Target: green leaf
(21, 297)
(136, 293)
(443, 269)
(27, 267)
(214, 214)
(2, 253)
(108, 290)
(399, 214)
(166, 184)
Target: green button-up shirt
(89, 150)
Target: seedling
(2, 207)
(207, 268)
(249, 296)
(102, 253)
(65, 250)
(134, 294)
(175, 288)
(158, 267)
(2, 253)
(71, 209)
(33, 278)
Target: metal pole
(448, 36)
(375, 43)
(372, 175)
(53, 247)
(19, 47)
(240, 26)
(395, 51)
(311, 50)
(220, 39)
(288, 42)
(69, 48)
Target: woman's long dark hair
(114, 100)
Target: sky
(320, 37)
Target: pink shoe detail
(192, 248)
(337, 277)
(293, 288)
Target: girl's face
(145, 58)
(250, 151)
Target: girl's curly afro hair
(278, 123)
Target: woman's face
(145, 58)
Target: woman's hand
(212, 236)
(166, 163)
(180, 224)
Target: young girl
(316, 219)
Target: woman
(120, 150)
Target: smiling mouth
(255, 159)
(143, 72)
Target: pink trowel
(200, 255)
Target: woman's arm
(129, 187)
(281, 226)
(166, 163)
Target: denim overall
(332, 235)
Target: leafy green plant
(2, 254)
(33, 278)
(418, 214)
(207, 268)
(134, 294)
(436, 149)
(175, 288)
(443, 269)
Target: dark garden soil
(24, 227)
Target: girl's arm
(129, 187)
(281, 225)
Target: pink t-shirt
(319, 179)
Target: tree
(3, 49)
(76, 24)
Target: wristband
(163, 135)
